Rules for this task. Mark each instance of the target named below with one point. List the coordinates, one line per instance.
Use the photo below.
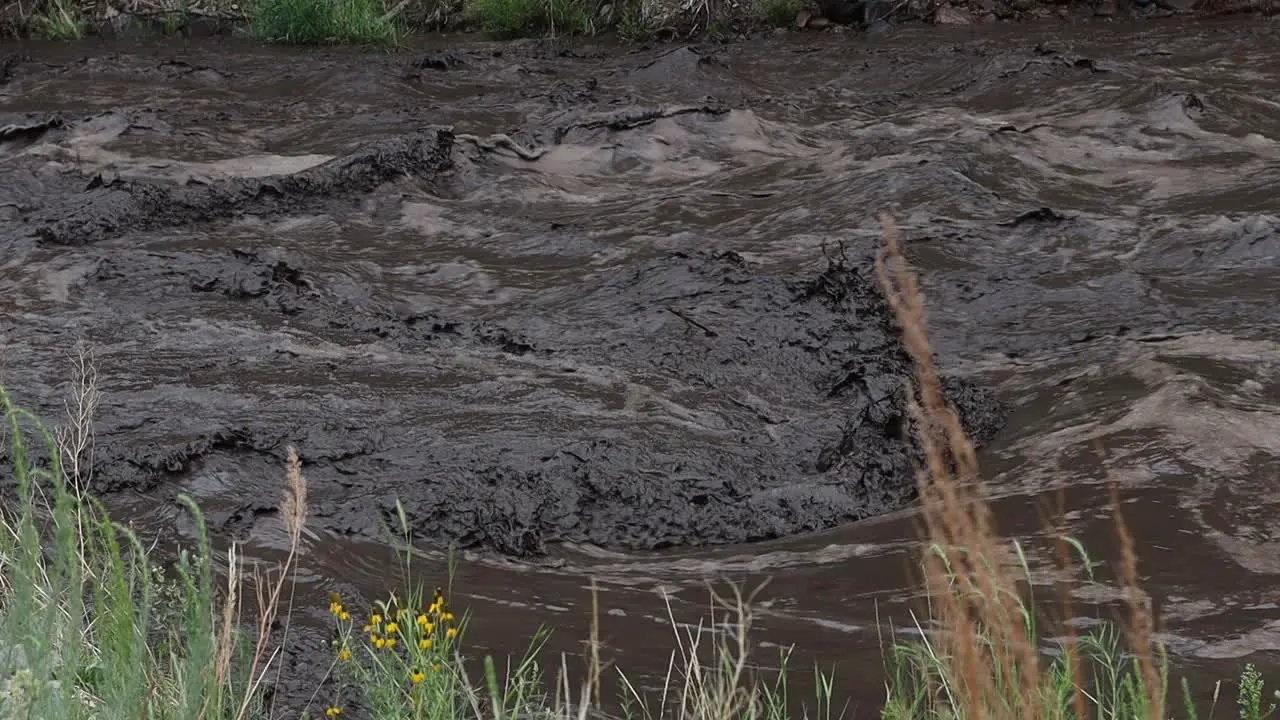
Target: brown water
(1137, 315)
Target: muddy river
(596, 311)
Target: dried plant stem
(1141, 625)
(968, 577)
(293, 509)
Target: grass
(529, 18)
(779, 13)
(981, 655)
(318, 22)
(636, 22)
(61, 20)
(90, 627)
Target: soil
(790, 418)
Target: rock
(802, 18)
(819, 23)
(947, 15)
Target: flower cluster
(336, 608)
(404, 644)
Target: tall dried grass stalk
(226, 633)
(293, 510)
(973, 591)
(76, 438)
(1141, 626)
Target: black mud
(688, 400)
(110, 204)
(581, 295)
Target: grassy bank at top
(91, 626)
(381, 24)
(322, 22)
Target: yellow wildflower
(379, 642)
(391, 642)
(375, 619)
(332, 711)
(336, 608)
(424, 621)
(425, 643)
(451, 632)
(392, 627)
(417, 676)
(344, 653)
(447, 616)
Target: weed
(529, 18)
(88, 624)
(177, 20)
(317, 22)
(979, 657)
(62, 20)
(779, 13)
(1250, 698)
(636, 25)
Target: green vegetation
(926, 683)
(78, 600)
(780, 13)
(176, 21)
(635, 23)
(981, 655)
(316, 22)
(61, 20)
(91, 628)
(531, 18)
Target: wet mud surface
(723, 404)
(607, 312)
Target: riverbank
(384, 23)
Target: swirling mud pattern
(596, 311)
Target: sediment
(696, 398)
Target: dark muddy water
(604, 312)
